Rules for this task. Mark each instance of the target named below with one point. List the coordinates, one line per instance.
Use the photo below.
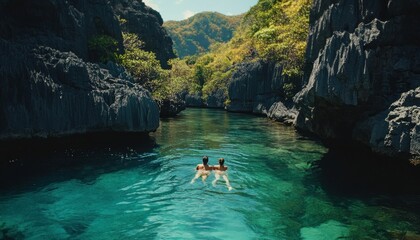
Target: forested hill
(197, 33)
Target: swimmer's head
(221, 161)
(205, 160)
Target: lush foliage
(196, 34)
(178, 79)
(141, 64)
(279, 29)
(146, 70)
(102, 48)
(274, 30)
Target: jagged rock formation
(257, 87)
(216, 99)
(47, 87)
(254, 87)
(193, 100)
(62, 25)
(363, 74)
(147, 24)
(279, 112)
(171, 107)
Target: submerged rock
(10, 233)
(362, 57)
(328, 230)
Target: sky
(183, 9)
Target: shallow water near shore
(285, 186)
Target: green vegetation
(178, 79)
(102, 48)
(279, 30)
(146, 70)
(196, 34)
(273, 30)
(141, 64)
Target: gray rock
(396, 130)
(48, 88)
(56, 93)
(62, 25)
(255, 86)
(279, 112)
(147, 24)
(170, 107)
(216, 99)
(193, 100)
(362, 56)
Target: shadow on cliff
(35, 163)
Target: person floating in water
(203, 170)
(220, 170)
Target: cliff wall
(146, 23)
(258, 87)
(48, 87)
(363, 78)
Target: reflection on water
(130, 187)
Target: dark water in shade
(285, 186)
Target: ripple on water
(146, 194)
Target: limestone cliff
(147, 24)
(254, 86)
(47, 86)
(363, 75)
(257, 87)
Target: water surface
(285, 187)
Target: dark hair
(221, 161)
(205, 159)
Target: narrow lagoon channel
(282, 188)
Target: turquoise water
(284, 188)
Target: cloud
(179, 1)
(188, 14)
(151, 4)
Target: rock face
(279, 112)
(363, 74)
(216, 99)
(193, 100)
(47, 87)
(62, 25)
(257, 87)
(147, 24)
(171, 107)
